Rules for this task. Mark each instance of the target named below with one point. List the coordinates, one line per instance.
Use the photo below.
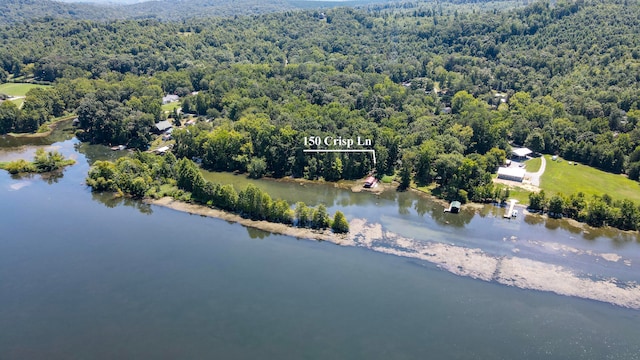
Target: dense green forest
(443, 91)
(165, 10)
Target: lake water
(85, 277)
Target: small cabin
(370, 182)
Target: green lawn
(560, 177)
(170, 106)
(520, 194)
(387, 179)
(18, 89)
(533, 165)
(18, 102)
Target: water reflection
(257, 233)
(533, 219)
(64, 131)
(93, 153)
(53, 177)
(404, 204)
(475, 223)
(111, 201)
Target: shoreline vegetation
(45, 129)
(145, 175)
(43, 162)
(268, 226)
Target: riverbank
(53, 125)
(514, 271)
(276, 228)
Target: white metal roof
(515, 172)
(521, 152)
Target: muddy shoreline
(275, 228)
(514, 271)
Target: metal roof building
(511, 173)
(521, 152)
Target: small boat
(515, 213)
(119, 147)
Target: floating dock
(509, 213)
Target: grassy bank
(560, 177)
(18, 89)
(533, 165)
(45, 129)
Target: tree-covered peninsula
(155, 176)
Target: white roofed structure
(511, 173)
(521, 152)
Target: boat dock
(454, 207)
(509, 213)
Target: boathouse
(454, 207)
(370, 182)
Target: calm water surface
(86, 277)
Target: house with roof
(163, 126)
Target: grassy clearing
(170, 106)
(520, 194)
(18, 89)
(18, 101)
(387, 179)
(560, 177)
(533, 165)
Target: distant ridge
(166, 10)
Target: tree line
(596, 210)
(144, 174)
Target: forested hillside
(442, 90)
(164, 10)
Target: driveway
(534, 178)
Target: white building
(511, 173)
(521, 152)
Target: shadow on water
(111, 201)
(93, 153)
(257, 233)
(63, 131)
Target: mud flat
(507, 270)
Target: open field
(18, 89)
(560, 177)
(533, 165)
